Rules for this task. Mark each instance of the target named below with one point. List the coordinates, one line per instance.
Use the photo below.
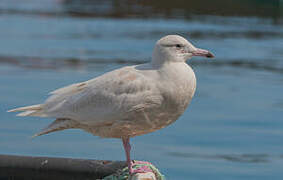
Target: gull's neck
(159, 61)
(160, 58)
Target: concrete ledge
(47, 168)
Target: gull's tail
(34, 110)
(37, 110)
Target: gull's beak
(202, 52)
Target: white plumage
(126, 102)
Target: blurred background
(233, 128)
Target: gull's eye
(178, 45)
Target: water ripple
(243, 158)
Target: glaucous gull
(129, 101)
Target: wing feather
(104, 99)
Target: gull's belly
(141, 122)
(148, 120)
(153, 120)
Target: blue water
(233, 128)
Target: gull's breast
(177, 89)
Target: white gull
(129, 101)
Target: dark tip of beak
(202, 52)
(210, 55)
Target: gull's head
(175, 48)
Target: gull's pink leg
(127, 148)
